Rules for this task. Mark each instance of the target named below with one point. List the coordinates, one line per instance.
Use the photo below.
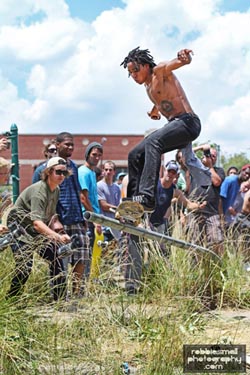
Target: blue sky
(92, 9)
(60, 65)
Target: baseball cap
(121, 174)
(90, 146)
(172, 165)
(245, 167)
(53, 162)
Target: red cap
(245, 167)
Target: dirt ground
(224, 326)
(228, 327)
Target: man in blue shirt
(230, 188)
(166, 191)
(69, 209)
(88, 186)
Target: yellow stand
(96, 256)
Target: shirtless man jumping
(183, 127)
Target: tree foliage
(236, 160)
(224, 161)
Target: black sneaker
(149, 206)
(127, 199)
(131, 289)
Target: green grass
(107, 327)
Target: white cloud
(15, 12)
(11, 107)
(72, 69)
(229, 124)
(36, 111)
(37, 80)
(41, 41)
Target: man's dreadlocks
(139, 56)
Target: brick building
(30, 150)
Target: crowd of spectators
(205, 212)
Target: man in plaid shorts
(69, 211)
(205, 225)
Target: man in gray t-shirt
(109, 193)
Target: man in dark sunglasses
(52, 150)
(33, 210)
(61, 172)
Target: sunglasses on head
(52, 150)
(60, 172)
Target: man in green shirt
(34, 210)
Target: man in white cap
(33, 210)
(166, 191)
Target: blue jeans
(144, 160)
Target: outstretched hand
(184, 55)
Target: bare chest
(161, 89)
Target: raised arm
(184, 57)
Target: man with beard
(70, 211)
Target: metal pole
(13, 136)
(142, 232)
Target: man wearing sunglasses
(33, 210)
(49, 152)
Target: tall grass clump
(95, 335)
